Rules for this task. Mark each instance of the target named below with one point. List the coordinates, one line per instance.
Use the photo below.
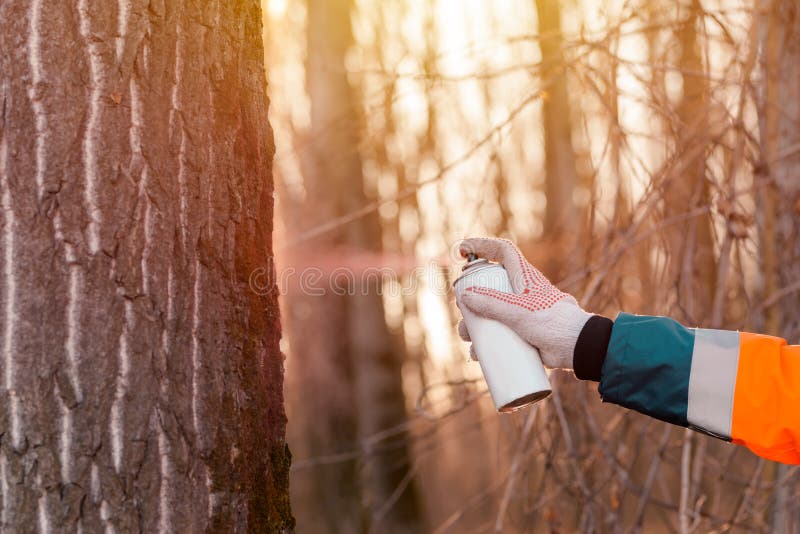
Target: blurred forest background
(643, 154)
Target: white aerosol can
(512, 368)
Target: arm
(740, 387)
(736, 386)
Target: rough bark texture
(142, 380)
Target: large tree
(142, 380)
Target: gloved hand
(538, 312)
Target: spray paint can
(512, 368)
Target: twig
(778, 295)
(686, 458)
(651, 476)
(522, 443)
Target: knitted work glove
(538, 312)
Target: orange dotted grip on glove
(533, 302)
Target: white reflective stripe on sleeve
(715, 359)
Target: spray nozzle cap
(472, 260)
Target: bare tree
(560, 220)
(142, 379)
(779, 228)
(690, 244)
(678, 87)
(351, 361)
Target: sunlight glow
(276, 8)
(458, 86)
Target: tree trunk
(780, 133)
(692, 263)
(560, 220)
(354, 367)
(779, 118)
(142, 379)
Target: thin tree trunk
(779, 116)
(320, 384)
(692, 264)
(561, 219)
(362, 350)
(142, 379)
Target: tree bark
(142, 379)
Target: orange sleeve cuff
(766, 404)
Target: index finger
(484, 247)
(501, 251)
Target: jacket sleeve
(740, 387)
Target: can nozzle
(472, 259)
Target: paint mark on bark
(170, 296)
(164, 449)
(148, 230)
(40, 119)
(146, 48)
(105, 515)
(137, 119)
(73, 322)
(184, 201)
(92, 126)
(65, 439)
(196, 355)
(178, 111)
(65, 412)
(123, 15)
(212, 497)
(71, 352)
(73, 309)
(5, 492)
(10, 295)
(41, 511)
(165, 490)
(94, 484)
(117, 429)
(166, 338)
(135, 133)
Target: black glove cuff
(590, 349)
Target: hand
(538, 312)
